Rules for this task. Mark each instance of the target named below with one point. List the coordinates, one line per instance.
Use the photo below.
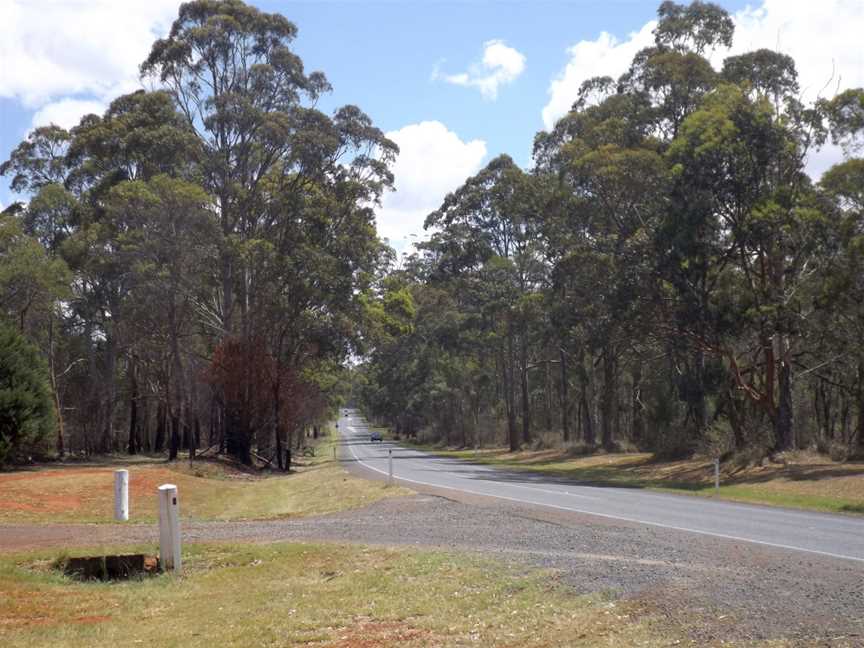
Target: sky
(454, 84)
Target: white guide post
(121, 495)
(390, 466)
(169, 528)
(717, 475)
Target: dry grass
(208, 491)
(806, 480)
(317, 595)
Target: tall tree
(490, 223)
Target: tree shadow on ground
(799, 473)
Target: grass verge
(208, 491)
(319, 595)
(807, 482)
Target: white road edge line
(612, 517)
(423, 456)
(486, 469)
(492, 470)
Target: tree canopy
(665, 277)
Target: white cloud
(75, 54)
(500, 65)
(606, 56)
(432, 162)
(824, 39)
(66, 113)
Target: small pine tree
(26, 410)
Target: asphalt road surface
(835, 536)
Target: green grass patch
(319, 595)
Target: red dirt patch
(78, 491)
(50, 474)
(22, 607)
(143, 482)
(46, 504)
(95, 618)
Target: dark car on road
(376, 436)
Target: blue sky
(401, 62)
(382, 55)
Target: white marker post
(121, 495)
(716, 475)
(169, 528)
(390, 467)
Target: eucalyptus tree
(490, 224)
(311, 262)
(674, 74)
(841, 292)
(677, 248)
(748, 161)
(165, 235)
(32, 283)
(396, 369)
(611, 181)
(292, 187)
(38, 161)
(241, 89)
(39, 167)
(697, 26)
(673, 77)
(140, 136)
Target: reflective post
(121, 495)
(169, 528)
(716, 475)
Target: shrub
(26, 410)
(839, 452)
(719, 439)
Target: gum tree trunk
(565, 401)
(609, 399)
(133, 406)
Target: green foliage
(39, 160)
(700, 25)
(30, 280)
(765, 71)
(26, 412)
(845, 114)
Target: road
(834, 536)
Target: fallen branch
(204, 452)
(267, 462)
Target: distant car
(376, 436)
